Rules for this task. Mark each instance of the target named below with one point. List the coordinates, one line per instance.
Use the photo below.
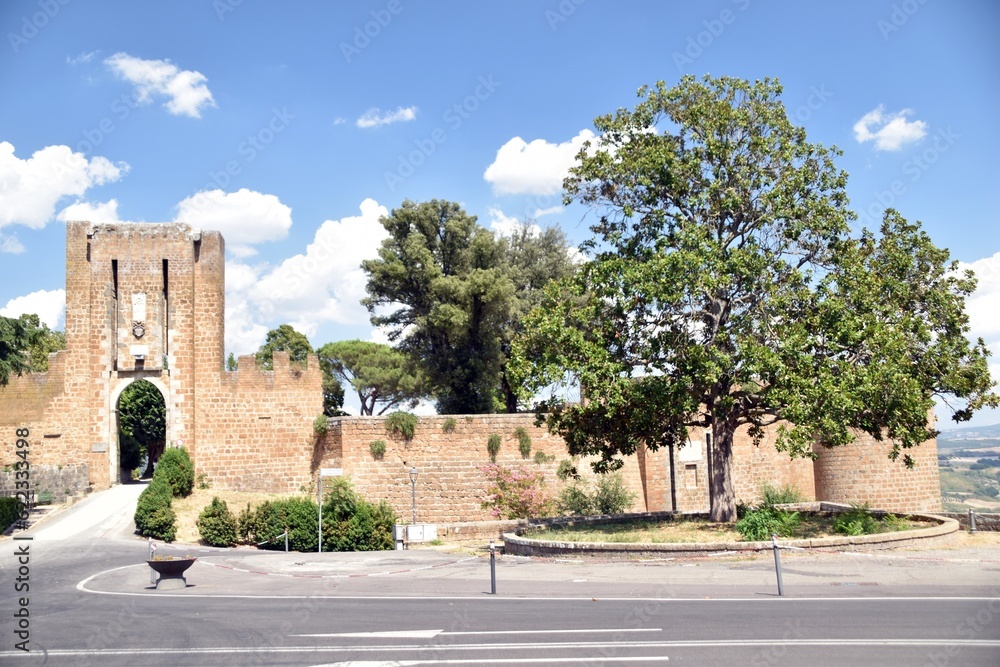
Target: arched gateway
(147, 301)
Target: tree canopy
(25, 345)
(384, 378)
(142, 423)
(726, 290)
(450, 293)
(283, 339)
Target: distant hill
(970, 433)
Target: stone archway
(145, 413)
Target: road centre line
(429, 634)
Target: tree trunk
(509, 395)
(720, 484)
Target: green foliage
(493, 446)
(231, 363)
(383, 378)
(401, 424)
(154, 516)
(350, 523)
(542, 458)
(523, 441)
(458, 293)
(142, 423)
(761, 523)
(246, 526)
(377, 448)
(204, 483)
(42, 341)
(270, 519)
(567, 470)
(608, 496)
(15, 339)
(283, 339)
(176, 469)
(321, 425)
(726, 290)
(10, 511)
(515, 493)
(448, 426)
(857, 521)
(217, 525)
(771, 495)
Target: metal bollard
(286, 540)
(777, 564)
(493, 569)
(152, 554)
(972, 520)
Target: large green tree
(384, 378)
(727, 291)
(283, 339)
(450, 293)
(15, 342)
(142, 425)
(44, 341)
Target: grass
(189, 508)
(683, 530)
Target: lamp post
(413, 491)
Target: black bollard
(777, 564)
(493, 569)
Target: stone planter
(171, 571)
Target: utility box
(399, 537)
(421, 532)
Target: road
(90, 603)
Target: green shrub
(542, 458)
(176, 467)
(567, 470)
(515, 493)
(760, 524)
(351, 523)
(321, 425)
(217, 525)
(574, 500)
(449, 425)
(401, 424)
(298, 515)
(204, 483)
(246, 525)
(611, 495)
(10, 511)
(154, 517)
(772, 495)
(523, 441)
(892, 523)
(857, 521)
(493, 446)
(377, 448)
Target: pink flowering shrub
(515, 493)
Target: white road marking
(428, 634)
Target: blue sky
(292, 127)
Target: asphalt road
(89, 603)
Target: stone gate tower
(147, 301)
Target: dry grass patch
(687, 530)
(189, 508)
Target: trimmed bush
(154, 517)
(175, 465)
(10, 511)
(217, 525)
(299, 515)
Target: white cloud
(185, 89)
(984, 322)
(375, 117)
(890, 131)
(83, 57)
(539, 212)
(30, 189)
(100, 213)
(504, 225)
(339, 120)
(323, 284)
(11, 245)
(536, 168)
(244, 217)
(49, 305)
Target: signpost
(323, 472)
